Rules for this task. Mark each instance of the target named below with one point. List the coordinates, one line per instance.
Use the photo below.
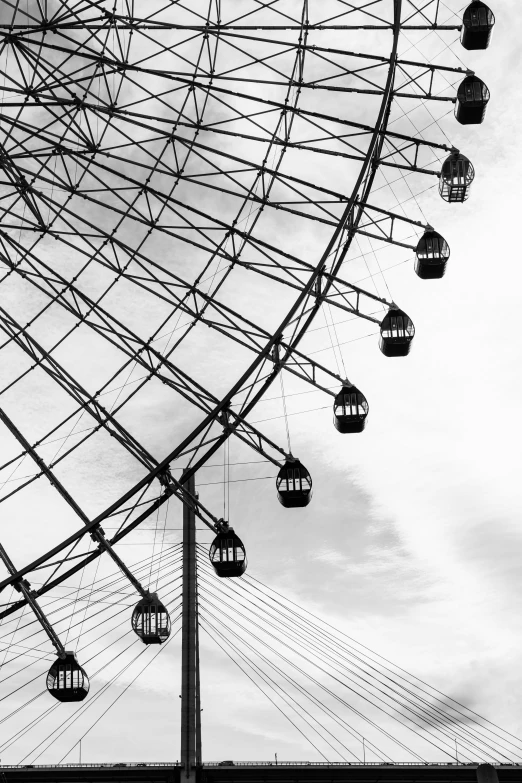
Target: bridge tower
(190, 683)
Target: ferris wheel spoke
(23, 587)
(67, 12)
(287, 274)
(425, 93)
(220, 94)
(321, 52)
(97, 533)
(69, 17)
(86, 401)
(149, 25)
(237, 327)
(31, 451)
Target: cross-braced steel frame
(136, 148)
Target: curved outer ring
(365, 179)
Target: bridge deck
(255, 772)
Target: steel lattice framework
(165, 173)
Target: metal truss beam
(113, 111)
(294, 184)
(124, 23)
(97, 533)
(23, 586)
(233, 232)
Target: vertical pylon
(190, 700)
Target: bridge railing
(108, 765)
(354, 764)
(115, 765)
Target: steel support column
(190, 719)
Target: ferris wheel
(185, 191)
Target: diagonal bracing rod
(97, 532)
(23, 586)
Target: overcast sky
(411, 542)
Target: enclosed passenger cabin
(431, 255)
(477, 26)
(472, 99)
(456, 177)
(150, 620)
(294, 484)
(227, 554)
(350, 410)
(397, 332)
(66, 680)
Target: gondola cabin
(227, 554)
(477, 26)
(472, 99)
(431, 255)
(150, 620)
(66, 680)
(397, 332)
(294, 484)
(456, 177)
(350, 410)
